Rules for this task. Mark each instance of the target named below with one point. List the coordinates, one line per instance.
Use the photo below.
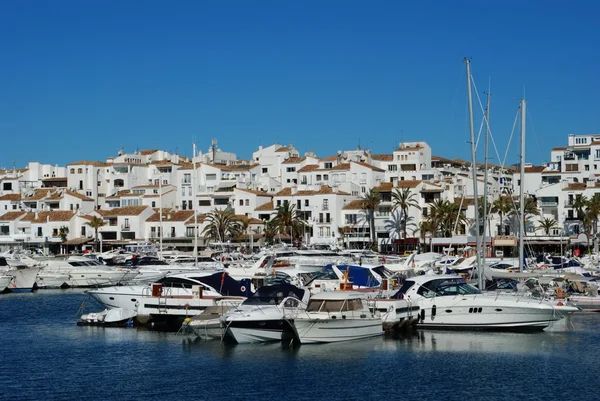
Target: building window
(241, 202)
(265, 170)
(393, 167)
(278, 203)
(72, 171)
(306, 202)
(79, 171)
(247, 202)
(153, 204)
(325, 204)
(187, 178)
(298, 204)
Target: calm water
(44, 355)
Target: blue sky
(80, 80)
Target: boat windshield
(325, 274)
(446, 287)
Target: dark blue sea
(44, 355)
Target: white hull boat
(448, 302)
(4, 282)
(337, 316)
(266, 316)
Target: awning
(77, 241)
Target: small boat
(337, 316)
(118, 317)
(207, 325)
(267, 315)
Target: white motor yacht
(267, 315)
(22, 275)
(176, 286)
(85, 272)
(448, 302)
(337, 316)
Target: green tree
(63, 232)
(222, 225)
(502, 206)
(404, 199)
(95, 223)
(370, 202)
(289, 221)
(547, 224)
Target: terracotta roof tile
(354, 205)
(39, 194)
(409, 183)
(53, 215)
(122, 211)
(78, 195)
(171, 215)
(308, 168)
(265, 207)
(284, 149)
(329, 159)
(341, 167)
(11, 216)
(118, 194)
(384, 187)
(147, 152)
(284, 192)
(383, 157)
(292, 160)
(10, 197)
(559, 148)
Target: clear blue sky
(80, 79)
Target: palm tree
(547, 224)
(270, 231)
(529, 210)
(63, 231)
(403, 199)
(288, 220)
(244, 222)
(370, 202)
(96, 223)
(580, 203)
(343, 230)
(446, 216)
(424, 227)
(502, 206)
(222, 225)
(593, 211)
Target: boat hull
(313, 331)
(257, 331)
(486, 313)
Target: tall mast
(194, 179)
(160, 214)
(474, 173)
(522, 189)
(485, 175)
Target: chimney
(294, 189)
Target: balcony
(549, 203)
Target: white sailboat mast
(522, 189)
(194, 180)
(474, 174)
(485, 176)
